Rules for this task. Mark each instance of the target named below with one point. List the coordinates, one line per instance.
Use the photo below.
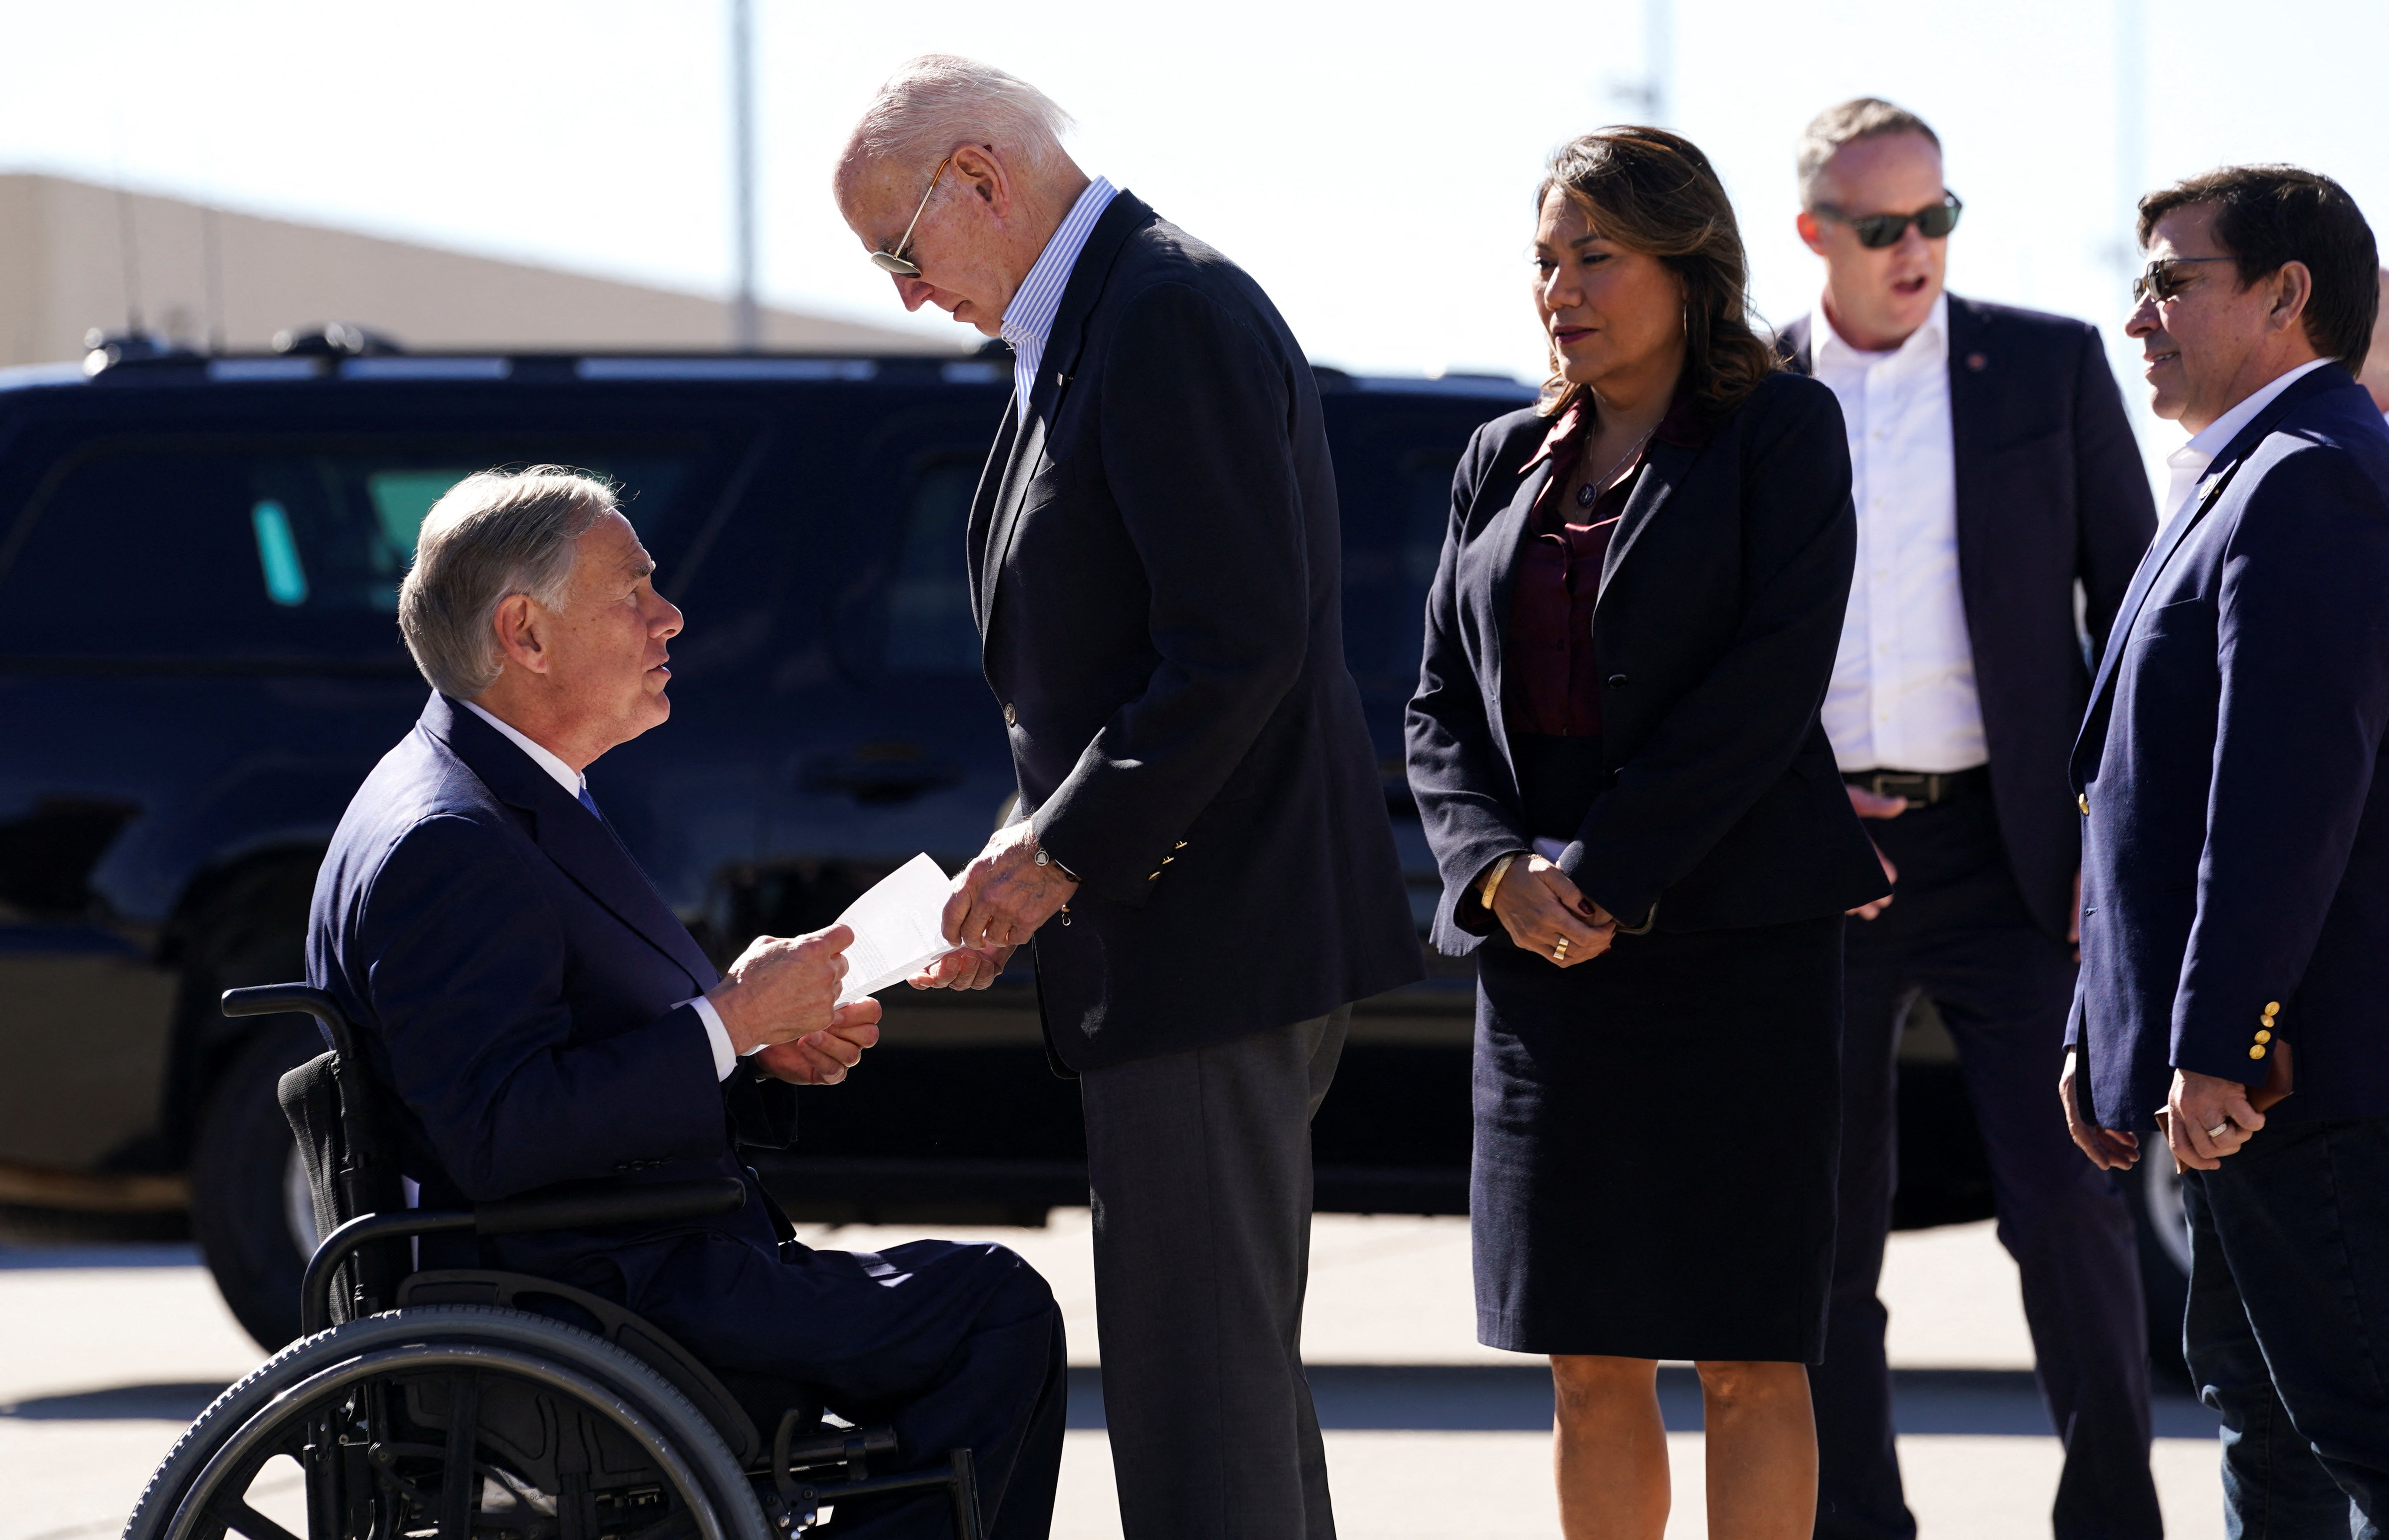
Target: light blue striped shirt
(1028, 320)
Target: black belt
(1923, 788)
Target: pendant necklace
(1586, 494)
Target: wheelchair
(472, 1405)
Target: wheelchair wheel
(465, 1422)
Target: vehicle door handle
(878, 773)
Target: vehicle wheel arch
(240, 915)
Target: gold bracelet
(1493, 880)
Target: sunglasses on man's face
(895, 261)
(1876, 231)
(2158, 281)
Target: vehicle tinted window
(930, 628)
(1391, 545)
(148, 551)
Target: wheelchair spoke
(460, 1491)
(671, 1526)
(235, 1514)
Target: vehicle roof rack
(106, 350)
(334, 339)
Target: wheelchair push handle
(276, 999)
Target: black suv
(199, 567)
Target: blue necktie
(590, 803)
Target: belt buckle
(1927, 784)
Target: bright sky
(1372, 165)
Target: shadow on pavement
(39, 1258)
(1423, 1398)
(120, 1403)
(1501, 1398)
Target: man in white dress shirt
(1994, 473)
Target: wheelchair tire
(637, 1400)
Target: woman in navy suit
(1643, 837)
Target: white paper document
(897, 928)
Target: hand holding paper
(898, 928)
(779, 1001)
(1007, 891)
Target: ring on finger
(2219, 1130)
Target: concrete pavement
(107, 1352)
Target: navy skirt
(1656, 1133)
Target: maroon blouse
(1550, 679)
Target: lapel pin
(1977, 362)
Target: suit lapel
(582, 846)
(1664, 466)
(1125, 215)
(1496, 572)
(1974, 414)
(2169, 540)
(992, 483)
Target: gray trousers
(1199, 1165)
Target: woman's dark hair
(2267, 216)
(1655, 192)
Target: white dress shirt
(2188, 463)
(574, 784)
(1903, 695)
(1028, 320)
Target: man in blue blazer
(1995, 475)
(543, 1018)
(2235, 929)
(1202, 852)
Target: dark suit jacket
(2050, 492)
(518, 982)
(1719, 613)
(2236, 838)
(1156, 562)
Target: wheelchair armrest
(660, 1204)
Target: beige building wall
(72, 254)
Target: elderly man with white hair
(542, 1017)
(1202, 851)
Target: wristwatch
(1045, 857)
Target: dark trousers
(2288, 1328)
(957, 1345)
(1199, 1166)
(1958, 932)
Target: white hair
(940, 102)
(491, 535)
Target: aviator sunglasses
(896, 261)
(2159, 282)
(1876, 231)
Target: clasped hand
(1541, 907)
(2205, 1119)
(1000, 899)
(779, 1001)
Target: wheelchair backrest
(336, 1114)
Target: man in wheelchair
(537, 1017)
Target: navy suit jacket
(520, 984)
(2051, 491)
(1156, 562)
(1720, 611)
(2235, 815)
